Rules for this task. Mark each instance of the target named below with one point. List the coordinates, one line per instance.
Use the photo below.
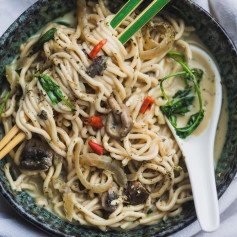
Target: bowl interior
(219, 45)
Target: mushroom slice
(116, 108)
(136, 193)
(106, 163)
(97, 67)
(113, 127)
(36, 155)
(127, 121)
(108, 197)
(119, 122)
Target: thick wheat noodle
(148, 153)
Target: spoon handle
(202, 178)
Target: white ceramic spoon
(199, 156)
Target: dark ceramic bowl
(219, 45)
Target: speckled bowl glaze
(220, 46)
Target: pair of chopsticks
(150, 11)
(12, 139)
(15, 136)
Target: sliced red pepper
(97, 48)
(95, 122)
(98, 149)
(147, 104)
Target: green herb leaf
(4, 102)
(174, 53)
(173, 120)
(43, 39)
(167, 77)
(188, 70)
(198, 73)
(52, 90)
(192, 124)
(181, 107)
(183, 93)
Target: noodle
(148, 154)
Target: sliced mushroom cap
(127, 121)
(36, 155)
(119, 122)
(116, 108)
(108, 197)
(136, 193)
(97, 67)
(113, 127)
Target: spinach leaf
(198, 73)
(183, 93)
(192, 124)
(180, 107)
(173, 120)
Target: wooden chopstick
(7, 143)
(126, 10)
(142, 19)
(14, 142)
(9, 136)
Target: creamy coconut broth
(222, 126)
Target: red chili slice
(95, 122)
(98, 149)
(97, 48)
(147, 104)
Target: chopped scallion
(52, 90)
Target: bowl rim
(30, 218)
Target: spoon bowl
(198, 151)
